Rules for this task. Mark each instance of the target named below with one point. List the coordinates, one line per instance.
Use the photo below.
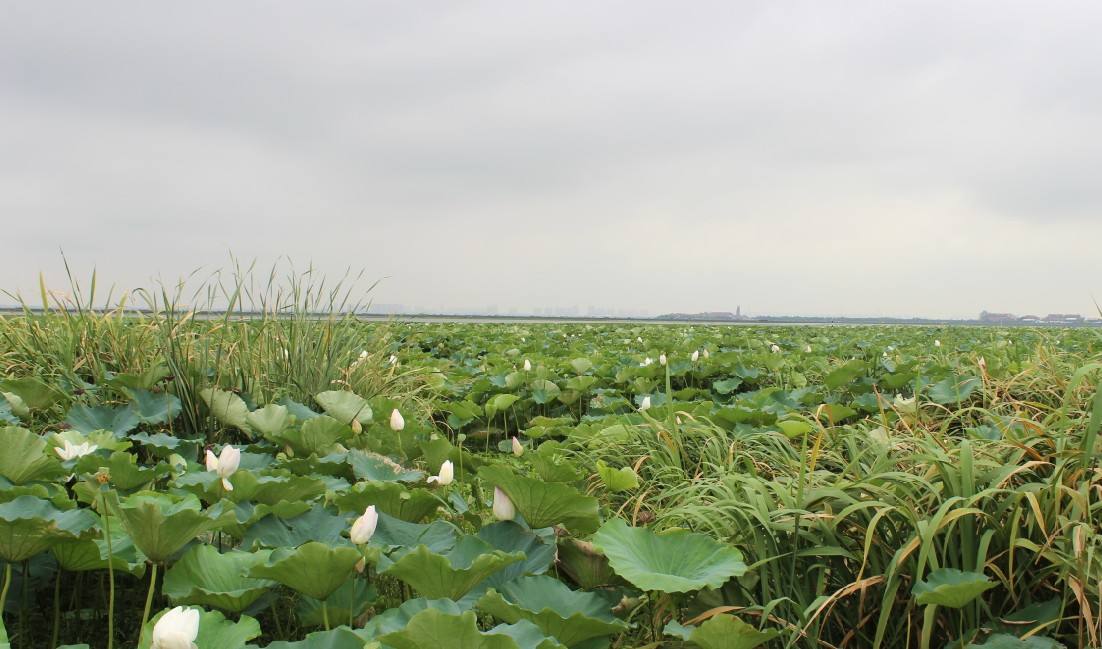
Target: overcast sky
(857, 158)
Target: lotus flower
(661, 359)
(518, 449)
(393, 360)
(775, 348)
(808, 349)
(396, 421)
(705, 353)
(363, 528)
(645, 403)
(72, 451)
(937, 343)
(225, 464)
(695, 356)
(504, 510)
(176, 629)
(646, 361)
(363, 354)
(527, 365)
(446, 475)
(639, 339)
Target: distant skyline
(857, 158)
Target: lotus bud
(363, 354)
(661, 359)
(527, 365)
(363, 528)
(393, 360)
(705, 353)
(397, 422)
(775, 348)
(518, 449)
(982, 362)
(504, 510)
(212, 461)
(176, 629)
(361, 565)
(808, 349)
(357, 427)
(646, 361)
(639, 339)
(937, 343)
(446, 475)
(225, 464)
(645, 403)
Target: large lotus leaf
(297, 410)
(160, 524)
(316, 436)
(722, 632)
(346, 603)
(215, 631)
(126, 474)
(1007, 641)
(509, 536)
(951, 588)
(7, 414)
(544, 391)
(543, 504)
(396, 619)
(571, 616)
(85, 419)
(390, 498)
(584, 564)
(339, 638)
(676, 562)
(499, 403)
(451, 574)
(228, 408)
(436, 629)
(617, 480)
(269, 421)
(33, 392)
(372, 466)
(438, 449)
(954, 389)
(206, 577)
(314, 569)
(155, 407)
(164, 445)
(527, 635)
(439, 536)
(82, 555)
(318, 524)
(344, 406)
(25, 457)
(29, 525)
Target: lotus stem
(110, 575)
(148, 599)
(7, 585)
(325, 614)
(57, 608)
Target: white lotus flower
(446, 475)
(645, 403)
(393, 360)
(808, 349)
(518, 448)
(775, 348)
(661, 359)
(364, 527)
(527, 365)
(646, 361)
(396, 420)
(639, 339)
(937, 343)
(695, 357)
(72, 451)
(504, 510)
(176, 629)
(225, 464)
(363, 354)
(705, 353)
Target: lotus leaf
(396, 619)
(269, 421)
(339, 638)
(344, 406)
(317, 524)
(206, 577)
(439, 536)
(215, 631)
(571, 616)
(228, 408)
(722, 632)
(390, 498)
(160, 524)
(314, 569)
(155, 407)
(951, 588)
(316, 436)
(29, 525)
(617, 480)
(1007, 641)
(25, 457)
(347, 602)
(81, 555)
(119, 421)
(372, 466)
(954, 390)
(453, 573)
(543, 504)
(433, 628)
(585, 565)
(33, 392)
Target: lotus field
(304, 482)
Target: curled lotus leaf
(206, 577)
(571, 616)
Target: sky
(927, 158)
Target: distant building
(1063, 317)
(987, 316)
(1029, 318)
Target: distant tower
(738, 311)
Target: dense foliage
(546, 485)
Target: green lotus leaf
(317, 524)
(155, 407)
(160, 524)
(581, 365)
(509, 536)
(954, 390)
(206, 577)
(571, 616)
(390, 498)
(85, 419)
(29, 525)
(372, 466)
(543, 504)
(344, 406)
(7, 413)
(317, 436)
(33, 392)
(164, 445)
(544, 391)
(1007, 641)
(83, 555)
(269, 421)
(453, 573)
(126, 474)
(722, 632)
(438, 449)
(675, 562)
(347, 602)
(499, 403)
(25, 457)
(436, 629)
(527, 635)
(215, 631)
(396, 619)
(439, 536)
(228, 408)
(584, 564)
(313, 569)
(951, 588)
(617, 480)
(339, 638)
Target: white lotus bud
(504, 510)
(705, 353)
(363, 528)
(645, 403)
(357, 427)
(695, 357)
(937, 343)
(808, 349)
(661, 359)
(225, 464)
(775, 348)
(397, 422)
(176, 629)
(446, 475)
(527, 365)
(518, 448)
